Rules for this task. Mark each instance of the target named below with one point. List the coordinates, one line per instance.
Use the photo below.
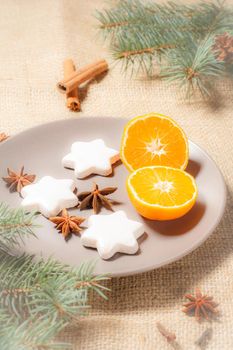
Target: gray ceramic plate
(41, 149)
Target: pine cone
(224, 47)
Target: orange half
(161, 193)
(154, 139)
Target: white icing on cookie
(112, 233)
(92, 157)
(49, 195)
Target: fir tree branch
(43, 292)
(177, 38)
(28, 335)
(194, 67)
(37, 297)
(14, 225)
(47, 288)
(134, 14)
(194, 71)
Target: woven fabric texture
(36, 36)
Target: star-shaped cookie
(49, 195)
(112, 233)
(92, 157)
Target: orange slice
(161, 193)
(154, 139)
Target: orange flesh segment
(163, 186)
(154, 140)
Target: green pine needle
(178, 39)
(38, 298)
(15, 224)
(195, 69)
(28, 335)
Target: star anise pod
(202, 306)
(17, 181)
(96, 198)
(67, 224)
(3, 136)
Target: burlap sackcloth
(36, 36)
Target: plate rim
(168, 261)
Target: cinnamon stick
(81, 75)
(72, 99)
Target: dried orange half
(154, 139)
(161, 193)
